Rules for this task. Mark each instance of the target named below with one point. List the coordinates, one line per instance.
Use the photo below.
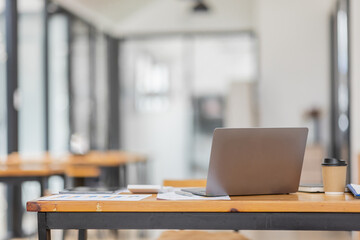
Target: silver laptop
(249, 161)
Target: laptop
(251, 161)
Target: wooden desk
(107, 165)
(82, 171)
(104, 159)
(300, 211)
(30, 172)
(18, 169)
(13, 174)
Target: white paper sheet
(175, 196)
(95, 197)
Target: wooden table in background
(89, 165)
(13, 173)
(300, 211)
(17, 169)
(111, 166)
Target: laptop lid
(248, 161)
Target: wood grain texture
(18, 166)
(105, 159)
(30, 172)
(82, 171)
(298, 202)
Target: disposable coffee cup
(334, 176)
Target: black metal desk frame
(195, 220)
(15, 209)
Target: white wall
(220, 60)
(294, 60)
(355, 89)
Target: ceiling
(121, 18)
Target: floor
(251, 235)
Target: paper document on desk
(95, 197)
(173, 195)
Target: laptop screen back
(247, 161)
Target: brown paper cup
(334, 179)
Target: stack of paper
(95, 197)
(177, 195)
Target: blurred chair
(200, 235)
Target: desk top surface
(29, 171)
(297, 202)
(109, 158)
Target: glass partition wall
(59, 128)
(185, 86)
(30, 87)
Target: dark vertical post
(341, 85)
(348, 136)
(114, 88)
(14, 213)
(92, 81)
(46, 71)
(111, 176)
(44, 185)
(69, 74)
(12, 73)
(334, 87)
(82, 234)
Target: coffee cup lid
(333, 162)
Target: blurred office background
(157, 76)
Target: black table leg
(44, 185)
(78, 182)
(44, 233)
(82, 234)
(124, 178)
(110, 176)
(15, 210)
